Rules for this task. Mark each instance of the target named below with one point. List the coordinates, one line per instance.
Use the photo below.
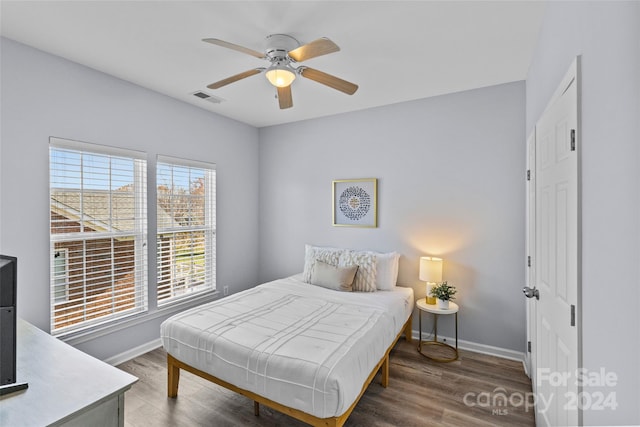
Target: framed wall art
(355, 202)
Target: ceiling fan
(283, 52)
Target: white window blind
(186, 219)
(98, 234)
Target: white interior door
(530, 359)
(556, 257)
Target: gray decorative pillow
(332, 277)
(365, 280)
(313, 253)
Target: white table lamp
(430, 272)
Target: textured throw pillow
(313, 253)
(365, 280)
(332, 277)
(387, 274)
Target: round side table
(433, 309)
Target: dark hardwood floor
(476, 390)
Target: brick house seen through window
(87, 285)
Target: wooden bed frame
(174, 366)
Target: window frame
(208, 229)
(138, 233)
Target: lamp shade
(280, 76)
(430, 269)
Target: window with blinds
(186, 219)
(98, 234)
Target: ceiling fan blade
(312, 49)
(329, 80)
(228, 80)
(235, 47)
(284, 97)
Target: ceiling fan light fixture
(280, 76)
(282, 51)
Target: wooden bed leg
(173, 377)
(408, 331)
(385, 371)
(256, 408)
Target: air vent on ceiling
(206, 97)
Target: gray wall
(451, 183)
(45, 95)
(607, 35)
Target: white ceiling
(394, 50)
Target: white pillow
(324, 254)
(387, 265)
(332, 277)
(365, 280)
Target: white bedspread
(303, 346)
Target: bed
(304, 350)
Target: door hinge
(573, 315)
(528, 174)
(529, 346)
(529, 261)
(573, 140)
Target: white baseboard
(134, 352)
(479, 348)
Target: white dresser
(66, 386)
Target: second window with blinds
(186, 221)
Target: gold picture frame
(355, 202)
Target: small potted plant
(444, 293)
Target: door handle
(530, 293)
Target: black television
(8, 323)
